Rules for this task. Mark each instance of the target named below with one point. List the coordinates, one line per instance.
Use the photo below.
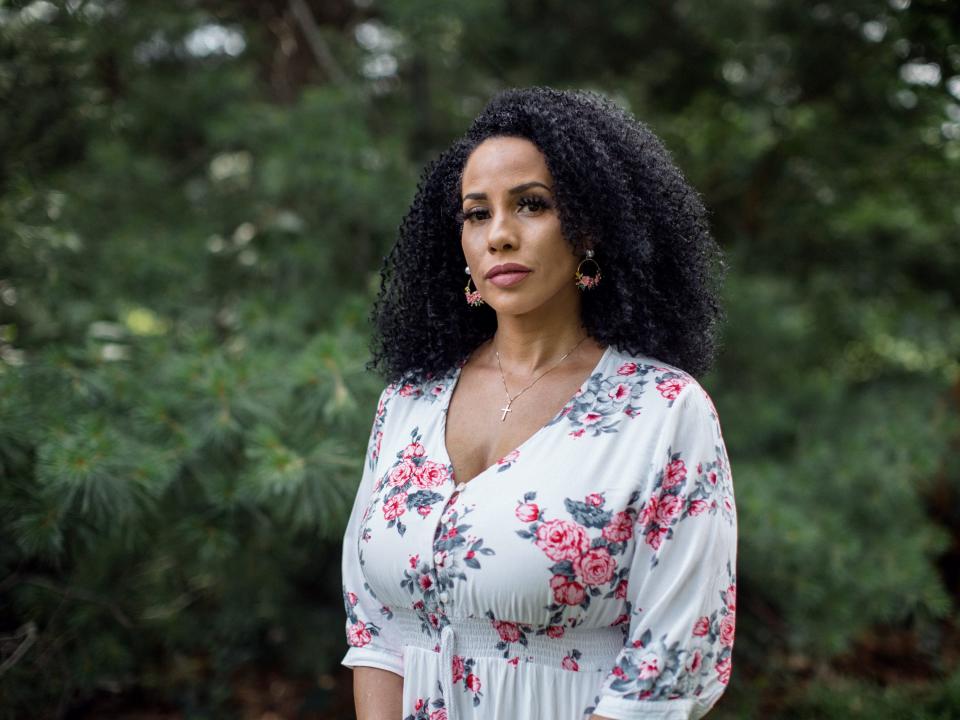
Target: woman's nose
(503, 231)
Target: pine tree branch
(28, 632)
(80, 594)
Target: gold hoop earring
(585, 282)
(473, 296)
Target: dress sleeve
(676, 659)
(371, 633)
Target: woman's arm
(377, 694)
(677, 656)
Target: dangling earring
(473, 296)
(587, 281)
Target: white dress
(590, 570)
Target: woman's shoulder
(428, 390)
(667, 380)
(668, 391)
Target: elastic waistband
(598, 647)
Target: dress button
(444, 596)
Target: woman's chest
(541, 536)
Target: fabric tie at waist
(448, 642)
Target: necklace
(510, 400)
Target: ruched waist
(596, 647)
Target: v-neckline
(448, 397)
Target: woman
(545, 526)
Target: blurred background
(195, 196)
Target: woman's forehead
(502, 162)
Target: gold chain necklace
(510, 400)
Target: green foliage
(190, 239)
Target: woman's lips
(506, 279)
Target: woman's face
(510, 216)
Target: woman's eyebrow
(511, 191)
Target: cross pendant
(505, 411)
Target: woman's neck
(527, 348)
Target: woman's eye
(474, 214)
(533, 202)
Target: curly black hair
(616, 189)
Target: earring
(473, 296)
(587, 281)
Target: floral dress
(590, 570)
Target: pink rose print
(402, 473)
(649, 512)
(655, 536)
(412, 480)
(674, 474)
(430, 475)
(702, 626)
(566, 592)
(670, 389)
(555, 631)
(696, 507)
(595, 566)
(473, 683)
(652, 670)
(562, 540)
(568, 663)
(649, 666)
(426, 582)
(508, 631)
(413, 450)
(457, 668)
(668, 508)
(727, 630)
(395, 506)
(619, 392)
(577, 433)
(724, 668)
(414, 559)
(628, 368)
(584, 549)
(358, 635)
(621, 592)
(620, 527)
(352, 598)
(527, 512)
(440, 714)
(730, 597)
(590, 418)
